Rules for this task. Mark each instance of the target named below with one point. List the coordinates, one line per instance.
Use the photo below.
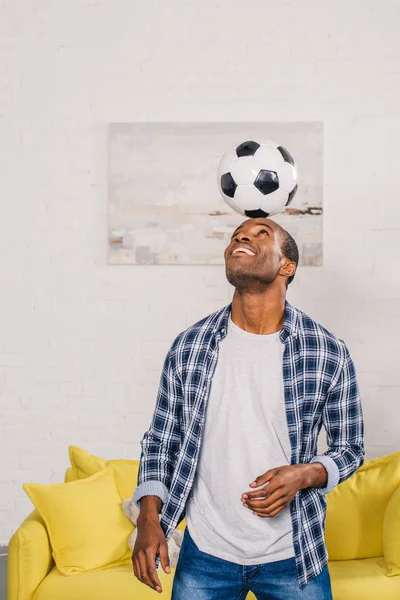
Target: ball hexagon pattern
(258, 179)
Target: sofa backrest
(356, 509)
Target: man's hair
(289, 250)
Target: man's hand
(150, 541)
(283, 483)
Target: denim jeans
(201, 576)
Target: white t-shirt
(245, 434)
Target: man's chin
(239, 276)
(243, 278)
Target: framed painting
(165, 207)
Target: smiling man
(233, 440)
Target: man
(233, 440)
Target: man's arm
(342, 418)
(162, 441)
(343, 421)
(150, 507)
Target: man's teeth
(246, 250)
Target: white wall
(82, 343)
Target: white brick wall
(82, 343)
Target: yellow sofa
(362, 536)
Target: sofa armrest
(29, 558)
(391, 535)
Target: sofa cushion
(391, 535)
(362, 579)
(356, 508)
(70, 475)
(84, 463)
(85, 522)
(117, 582)
(125, 471)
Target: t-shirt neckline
(249, 334)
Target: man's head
(260, 254)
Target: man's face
(254, 254)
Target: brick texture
(82, 343)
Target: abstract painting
(164, 204)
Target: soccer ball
(258, 180)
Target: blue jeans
(201, 576)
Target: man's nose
(243, 237)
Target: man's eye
(263, 231)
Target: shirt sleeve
(162, 441)
(150, 488)
(332, 470)
(342, 418)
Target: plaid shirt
(320, 387)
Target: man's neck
(259, 313)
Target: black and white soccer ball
(258, 179)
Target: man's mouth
(244, 250)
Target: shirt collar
(289, 328)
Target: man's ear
(288, 269)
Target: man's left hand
(282, 484)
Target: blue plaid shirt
(320, 387)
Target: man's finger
(267, 501)
(271, 511)
(144, 571)
(164, 558)
(141, 561)
(137, 567)
(141, 566)
(135, 571)
(151, 569)
(264, 477)
(265, 491)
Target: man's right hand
(150, 541)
